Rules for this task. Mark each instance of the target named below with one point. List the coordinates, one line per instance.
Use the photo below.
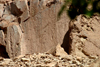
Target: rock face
(14, 38)
(85, 36)
(31, 26)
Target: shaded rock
(7, 14)
(3, 52)
(20, 8)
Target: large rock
(32, 26)
(7, 14)
(13, 39)
(85, 40)
(41, 31)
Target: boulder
(84, 36)
(32, 27)
(13, 39)
(42, 30)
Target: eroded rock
(4, 24)
(2, 38)
(60, 51)
(1, 10)
(85, 37)
(20, 9)
(13, 40)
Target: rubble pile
(47, 60)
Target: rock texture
(31, 26)
(31, 35)
(2, 38)
(48, 60)
(14, 36)
(59, 59)
(85, 36)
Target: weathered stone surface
(43, 28)
(31, 26)
(1, 10)
(85, 37)
(20, 8)
(60, 51)
(13, 40)
(9, 18)
(7, 14)
(4, 24)
(2, 38)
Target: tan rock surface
(60, 51)
(1, 10)
(43, 27)
(13, 39)
(85, 36)
(31, 25)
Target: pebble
(46, 60)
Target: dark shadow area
(66, 42)
(49, 4)
(28, 3)
(3, 52)
(19, 20)
(15, 11)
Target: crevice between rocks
(3, 52)
(66, 42)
